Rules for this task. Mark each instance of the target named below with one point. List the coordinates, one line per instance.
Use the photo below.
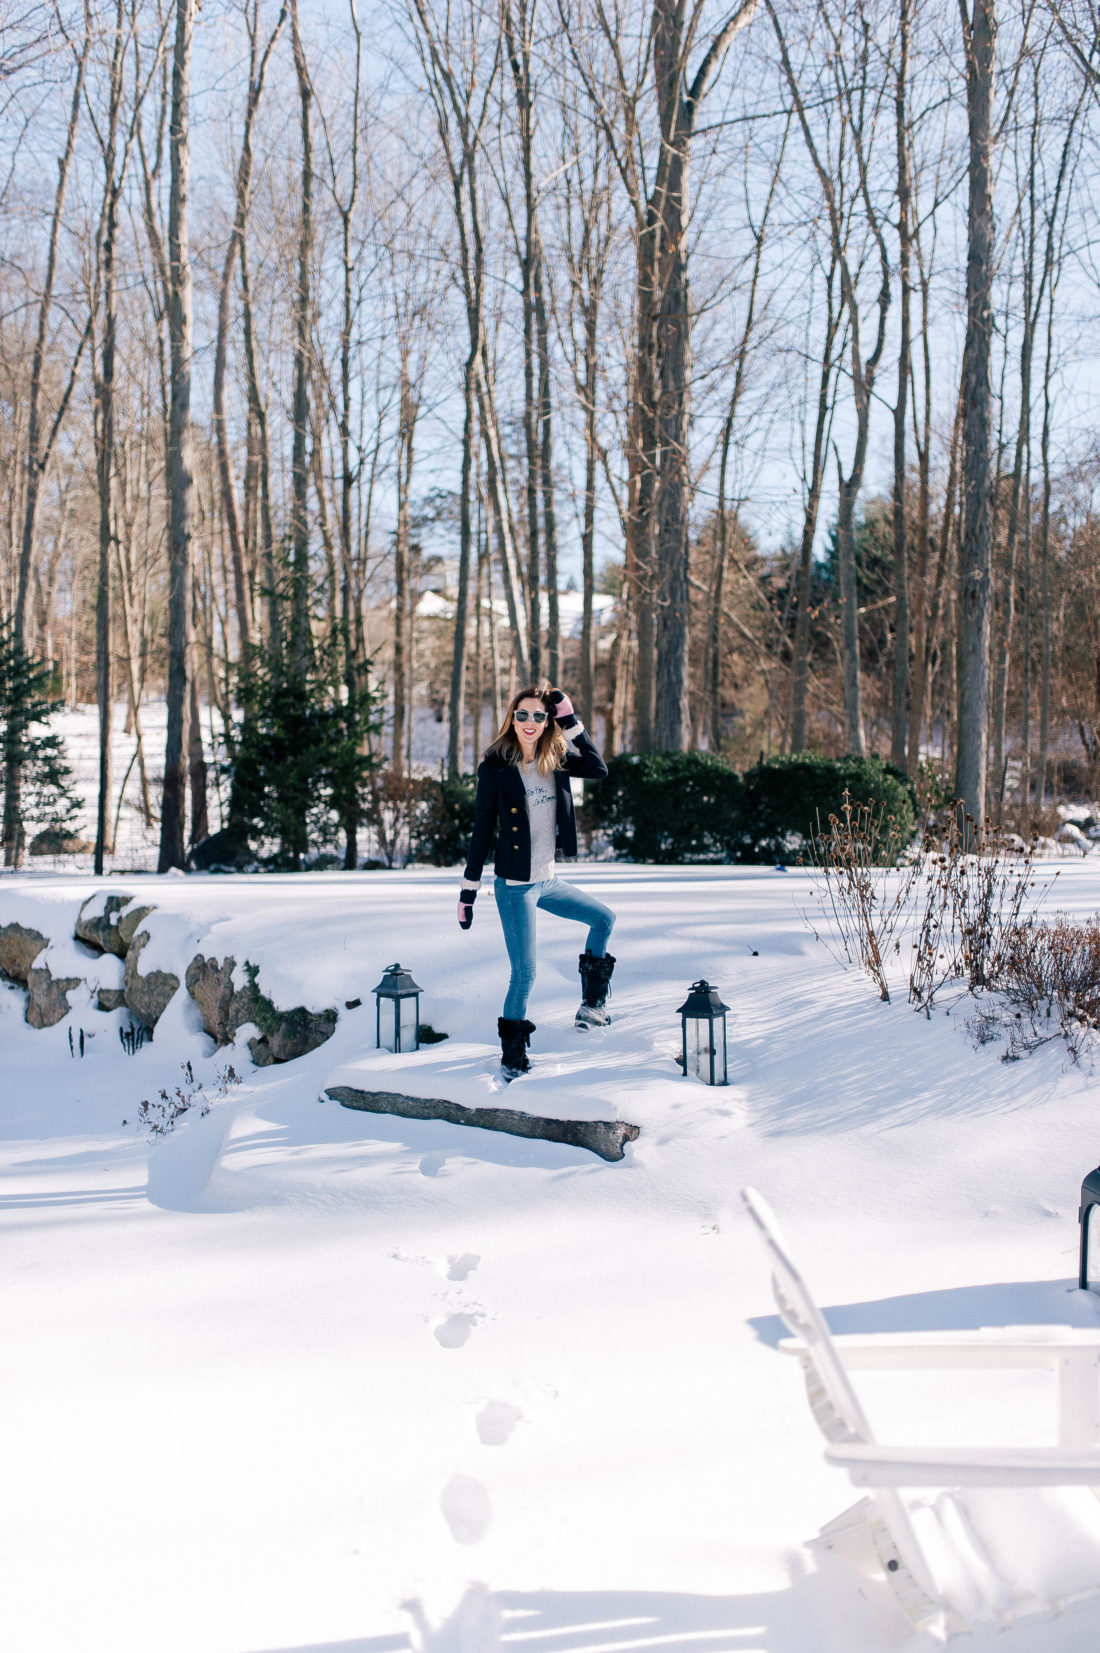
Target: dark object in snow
(227, 850)
(429, 1036)
(1088, 1216)
(703, 1029)
(604, 1137)
(596, 970)
(77, 1047)
(779, 867)
(397, 1011)
(352, 1004)
(515, 1036)
(133, 1037)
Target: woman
(523, 783)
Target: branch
(738, 20)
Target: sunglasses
(530, 717)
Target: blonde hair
(550, 747)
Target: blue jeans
(517, 905)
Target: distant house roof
(437, 605)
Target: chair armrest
(1001, 1346)
(929, 1466)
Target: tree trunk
(919, 584)
(588, 530)
(899, 719)
(196, 765)
(847, 490)
(301, 636)
(243, 199)
(801, 667)
(1044, 568)
(402, 618)
(674, 490)
(502, 512)
(457, 706)
(530, 253)
(546, 469)
(38, 452)
(258, 422)
(181, 483)
(105, 447)
(980, 33)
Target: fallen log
(604, 1137)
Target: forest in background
(337, 342)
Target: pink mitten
(466, 901)
(564, 715)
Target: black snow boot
(596, 972)
(514, 1039)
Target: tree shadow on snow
(600, 1621)
(958, 1309)
(824, 1058)
(199, 1169)
(370, 1644)
(430, 1143)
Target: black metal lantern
(1089, 1217)
(703, 1021)
(397, 1018)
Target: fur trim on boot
(596, 970)
(514, 1039)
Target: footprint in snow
(462, 1267)
(495, 1422)
(465, 1506)
(453, 1332)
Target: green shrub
(443, 820)
(789, 799)
(669, 807)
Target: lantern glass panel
(1093, 1243)
(697, 1031)
(718, 1039)
(388, 1011)
(409, 1012)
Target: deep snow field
(301, 1378)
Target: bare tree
(257, 71)
(813, 481)
(856, 97)
(899, 724)
(979, 29)
(461, 72)
(181, 475)
(40, 443)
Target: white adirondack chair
(1003, 1532)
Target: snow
(297, 1379)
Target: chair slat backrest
(833, 1401)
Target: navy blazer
(502, 796)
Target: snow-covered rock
(19, 947)
(148, 992)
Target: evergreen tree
(43, 796)
(301, 756)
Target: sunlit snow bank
(298, 1378)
